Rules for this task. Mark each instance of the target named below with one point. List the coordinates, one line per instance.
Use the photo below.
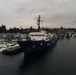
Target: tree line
(3, 29)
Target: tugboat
(37, 41)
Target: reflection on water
(31, 60)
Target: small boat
(2, 47)
(37, 41)
(8, 46)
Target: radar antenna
(38, 22)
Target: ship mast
(38, 22)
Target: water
(59, 60)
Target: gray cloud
(54, 13)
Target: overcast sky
(54, 13)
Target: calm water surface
(59, 60)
